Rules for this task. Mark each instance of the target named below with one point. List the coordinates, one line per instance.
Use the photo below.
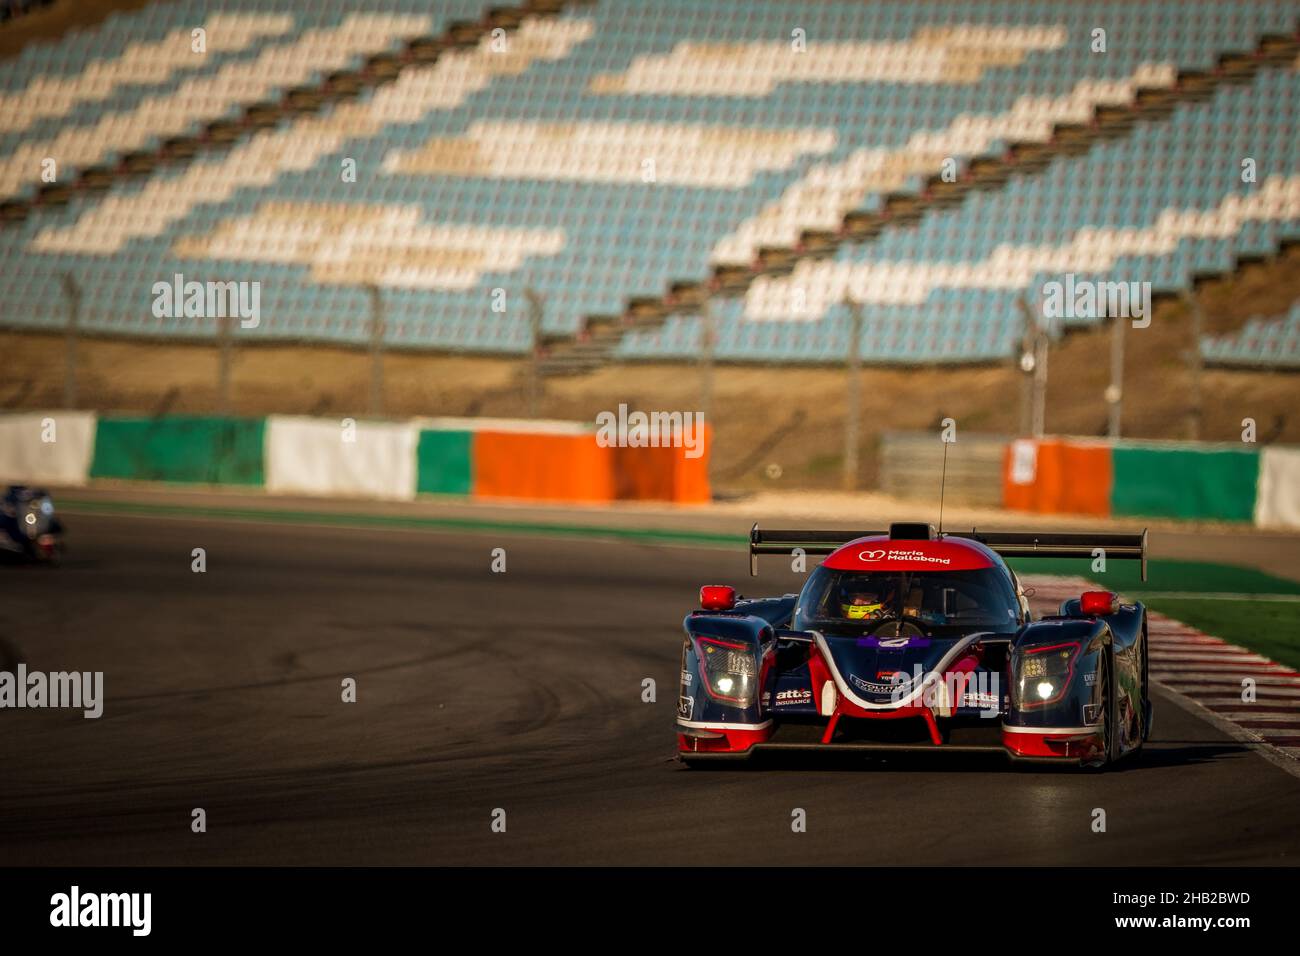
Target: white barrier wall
(353, 459)
(1277, 503)
(46, 448)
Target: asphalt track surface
(520, 691)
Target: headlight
(1043, 674)
(729, 670)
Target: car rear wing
(1009, 544)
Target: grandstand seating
(68, 75)
(1160, 205)
(1262, 342)
(311, 51)
(618, 147)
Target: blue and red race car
(910, 640)
(29, 528)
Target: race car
(912, 640)
(29, 528)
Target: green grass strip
(1164, 574)
(1271, 629)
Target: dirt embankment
(762, 416)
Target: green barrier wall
(1185, 483)
(200, 449)
(443, 463)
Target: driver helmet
(861, 602)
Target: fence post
(223, 363)
(73, 293)
(707, 339)
(376, 350)
(1115, 391)
(1026, 365)
(1042, 341)
(1033, 362)
(853, 410)
(1195, 364)
(536, 312)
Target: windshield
(980, 598)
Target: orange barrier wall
(691, 476)
(662, 474)
(545, 466)
(1066, 478)
(542, 467)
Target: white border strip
(1270, 752)
(706, 725)
(1070, 731)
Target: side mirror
(1097, 603)
(717, 597)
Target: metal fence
(911, 464)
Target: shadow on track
(1181, 753)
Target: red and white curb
(1207, 674)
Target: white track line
(1245, 668)
(1263, 694)
(1217, 703)
(1293, 718)
(1225, 659)
(1209, 679)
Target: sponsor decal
(897, 683)
(794, 697)
(685, 707)
(901, 554)
(892, 643)
(686, 678)
(979, 689)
